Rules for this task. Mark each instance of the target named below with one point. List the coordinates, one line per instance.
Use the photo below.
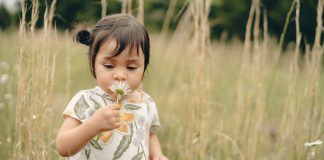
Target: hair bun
(83, 37)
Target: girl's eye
(131, 68)
(109, 66)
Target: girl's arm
(74, 135)
(155, 148)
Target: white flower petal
(120, 86)
(315, 143)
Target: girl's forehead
(110, 47)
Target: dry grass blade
(216, 99)
(103, 8)
(35, 88)
(140, 13)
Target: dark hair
(125, 29)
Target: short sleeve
(78, 107)
(153, 114)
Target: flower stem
(118, 98)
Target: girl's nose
(119, 76)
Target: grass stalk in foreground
(36, 70)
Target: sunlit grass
(255, 106)
(167, 82)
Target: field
(216, 100)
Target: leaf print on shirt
(132, 107)
(95, 144)
(95, 103)
(91, 112)
(138, 156)
(141, 120)
(124, 144)
(139, 136)
(80, 107)
(87, 152)
(105, 98)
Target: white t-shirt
(130, 141)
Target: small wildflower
(195, 138)
(120, 89)
(34, 117)
(8, 139)
(4, 65)
(4, 78)
(312, 144)
(8, 96)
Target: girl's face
(127, 66)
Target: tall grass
(7, 95)
(265, 119)
(216, 100)
(33, 133)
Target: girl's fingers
(115, 113)
(116, 107)
(117, 124)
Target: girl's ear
(83, 37)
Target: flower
(4, 78)
(120, 89)
(312, 144)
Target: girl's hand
(106, 118)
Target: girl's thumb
(117, 106)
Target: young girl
(97, 126)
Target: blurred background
(232, 79)
(227, 17)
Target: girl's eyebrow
(133, 59)
(109, 59)
(130, 60)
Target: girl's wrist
(91, 127)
